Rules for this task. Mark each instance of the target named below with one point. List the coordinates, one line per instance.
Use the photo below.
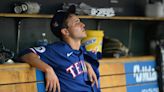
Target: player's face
(76, 28)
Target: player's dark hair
(58, 22)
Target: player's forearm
(34, 61)
(88, 65)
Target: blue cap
(58, 22)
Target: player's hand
(52, 81)
(91, 74)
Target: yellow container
(93, 41)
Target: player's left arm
(91, 74)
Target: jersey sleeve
(36, 50)
(23, 52)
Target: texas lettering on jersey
(77, 68)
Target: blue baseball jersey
(69, 65)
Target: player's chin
(84, 36)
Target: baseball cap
(58, 22)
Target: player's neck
(75, 44)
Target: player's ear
(64, 31)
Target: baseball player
(68, 67)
